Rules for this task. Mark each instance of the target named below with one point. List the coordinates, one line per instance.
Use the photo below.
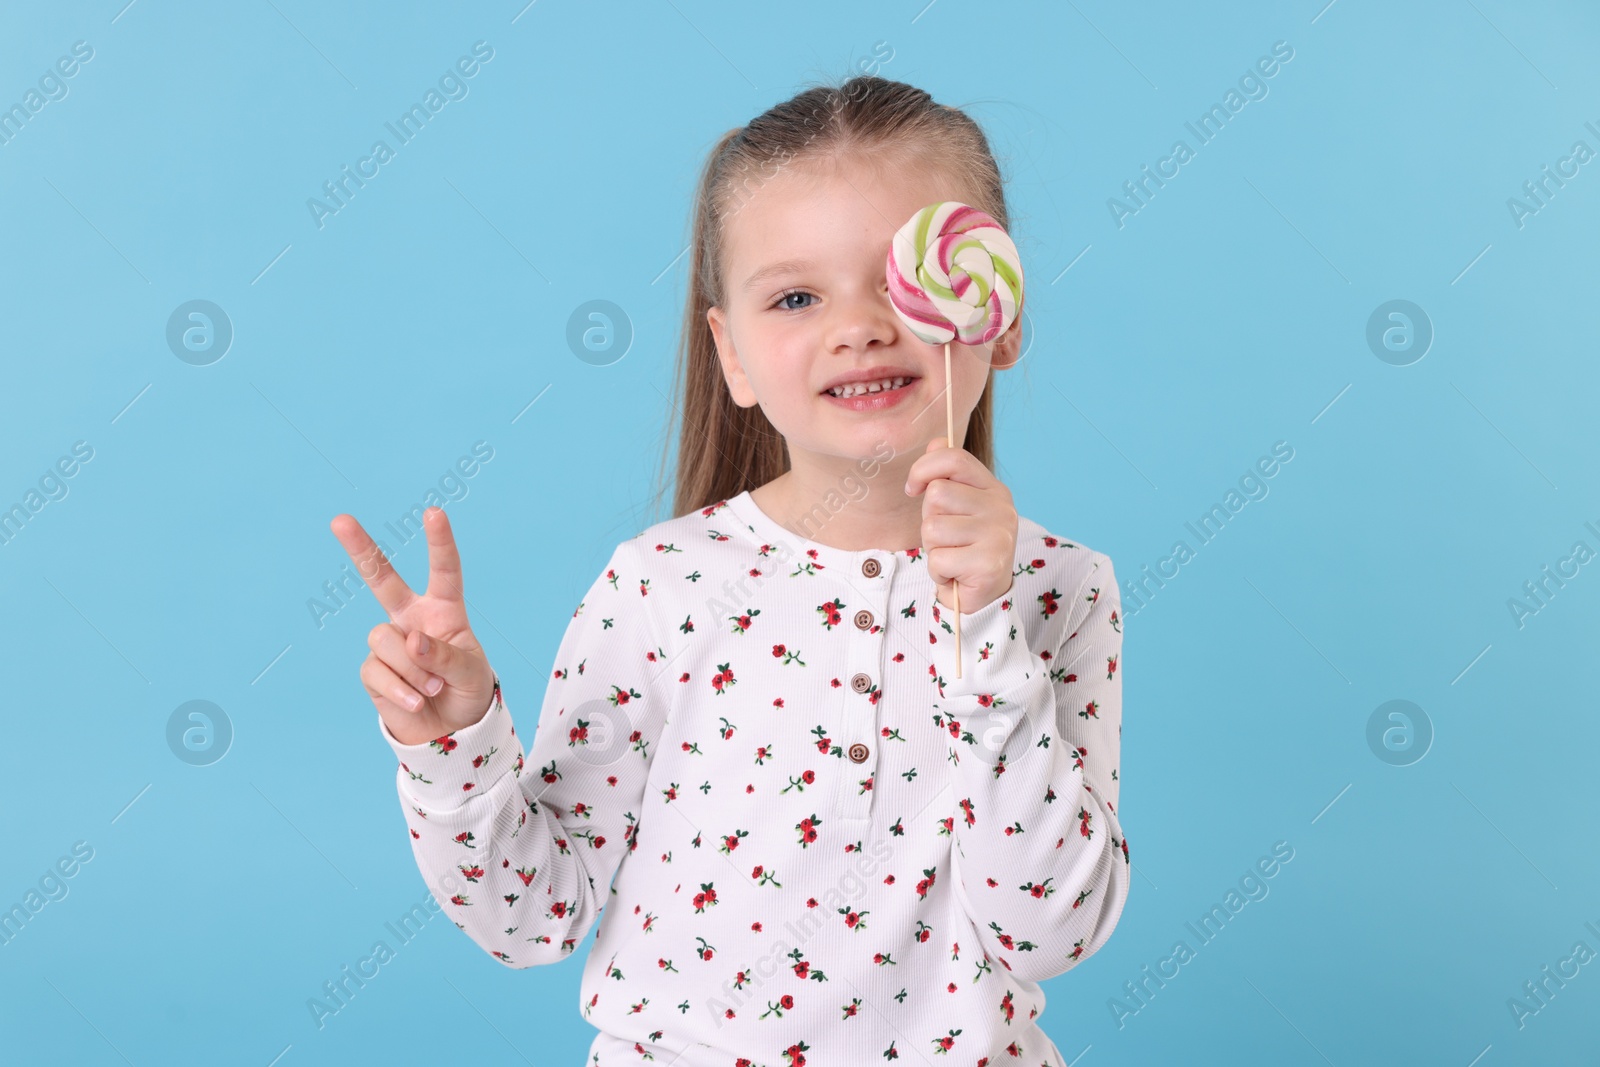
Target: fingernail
(435, 683)
(423, 644)
(413, 701)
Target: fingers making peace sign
(426, 674)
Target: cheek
(779, 364)
(970, 365)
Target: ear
(1007, 351)
(732, 371)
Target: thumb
(440, 657)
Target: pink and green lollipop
(954, 275)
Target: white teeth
(859, 388)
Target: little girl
(825, 846)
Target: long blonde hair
(724, 449)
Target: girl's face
(807, 305)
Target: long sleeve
(521, 853)
(1040, 861)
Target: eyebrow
(788, 266)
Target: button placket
(858, 734)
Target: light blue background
(1228, 314)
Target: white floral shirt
(827, 848)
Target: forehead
(841, 209)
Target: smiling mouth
(855, 389)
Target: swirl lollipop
(954, 275)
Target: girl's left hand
(969, 525)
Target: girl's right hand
(426, 674)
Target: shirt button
(863, 619)
(858, 753)
(870, 567)
(860, 683)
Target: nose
(863, 319)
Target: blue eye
(784, 306)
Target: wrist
(406, 733)
(972, 601)
(995, 654)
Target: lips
(870, 388)
(881, 372)
(873, 403)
